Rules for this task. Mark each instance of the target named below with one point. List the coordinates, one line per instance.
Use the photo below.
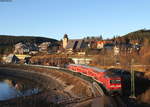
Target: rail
(97, 90)
(95, 84)
(119, 102)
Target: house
(21, 48)
(44, 47)
(11, 58)
(135, 42)
(116, 50)
(90, 43)
(48, 47)
(81, 53)
(102, 44)
(75, 44)
(22, 57)
(25, 48)
(125, 49)
(53, 48)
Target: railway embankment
(59, 88)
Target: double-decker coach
(111, 82)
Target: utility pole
(103, 56)
(132, 81)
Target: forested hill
(6, 40)
(140, 36)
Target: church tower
(65, 41)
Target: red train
(109, 80)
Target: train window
(115, 81)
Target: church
(74, 44)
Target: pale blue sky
(77, 18)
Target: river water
(11, 88)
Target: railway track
(99, 91)
(119, 102)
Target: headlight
(115, 86)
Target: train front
(114, 85)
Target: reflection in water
(11, 89)
(15, 84)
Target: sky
(77, 18)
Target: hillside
(7, 42)
(11, 40)
(140, 36)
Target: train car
(111, 82)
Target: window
(115, 81)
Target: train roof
(108, 72)
(94, 68)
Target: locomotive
(110, 81)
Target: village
(74, 53)
(79, 50)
